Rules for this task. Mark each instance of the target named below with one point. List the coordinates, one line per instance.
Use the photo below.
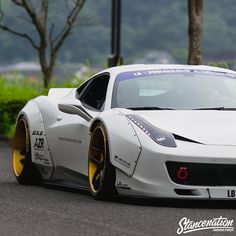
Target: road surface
(32, 210)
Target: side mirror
(75, 109)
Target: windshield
(175, 89)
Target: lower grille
(202, 174)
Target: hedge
(8, 114)
(15, 93)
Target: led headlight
(159, 136)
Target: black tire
(24, 170)
(101, 172)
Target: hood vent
(181, 138)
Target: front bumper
(151, 177)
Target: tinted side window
(82, 87)
(95, 94)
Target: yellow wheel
(101, 173)
(23, 169)
(20, 147)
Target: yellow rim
(20, 147)
(97, 159)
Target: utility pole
(114, 58)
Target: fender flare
(124, 145)
(40, 153)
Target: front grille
(203, 174)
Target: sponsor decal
(41, 157)
(135, 74)
(39, 143)
(170, 71)
(122, 162)
(70, 140)
(37, 132)
(220, 224)
(123, 186)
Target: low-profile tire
(101, 172)
(24, 170)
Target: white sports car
(140, 130)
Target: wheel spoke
(99, 164)
(97, 180)
(23, 152)
(101, 174)
(97, 160)
(100, 139)
(20, 148)
(22, 156)
(96, 149)
(22, 160)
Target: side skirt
(64, 177)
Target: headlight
(159, 136)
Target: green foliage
(14, 95)
(15, 88)
(153, 25)
(224, 64)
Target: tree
(48, 42)
(195, 13)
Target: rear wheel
(24, 170)
(101, 173)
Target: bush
(15, 93)
(8, 113)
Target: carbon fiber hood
(207, 127)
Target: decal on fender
(122, 162)
(39, 143)
(37, 132)
(123, 186)
(41, 158)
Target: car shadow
(179, 203)
(67, 189)
(156, 202)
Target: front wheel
(24, 170)
(101, 173)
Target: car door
(71, 149)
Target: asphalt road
(32, 210)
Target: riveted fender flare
(40, 153)
(124, 145)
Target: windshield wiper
(217, 108)
(149, 108)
